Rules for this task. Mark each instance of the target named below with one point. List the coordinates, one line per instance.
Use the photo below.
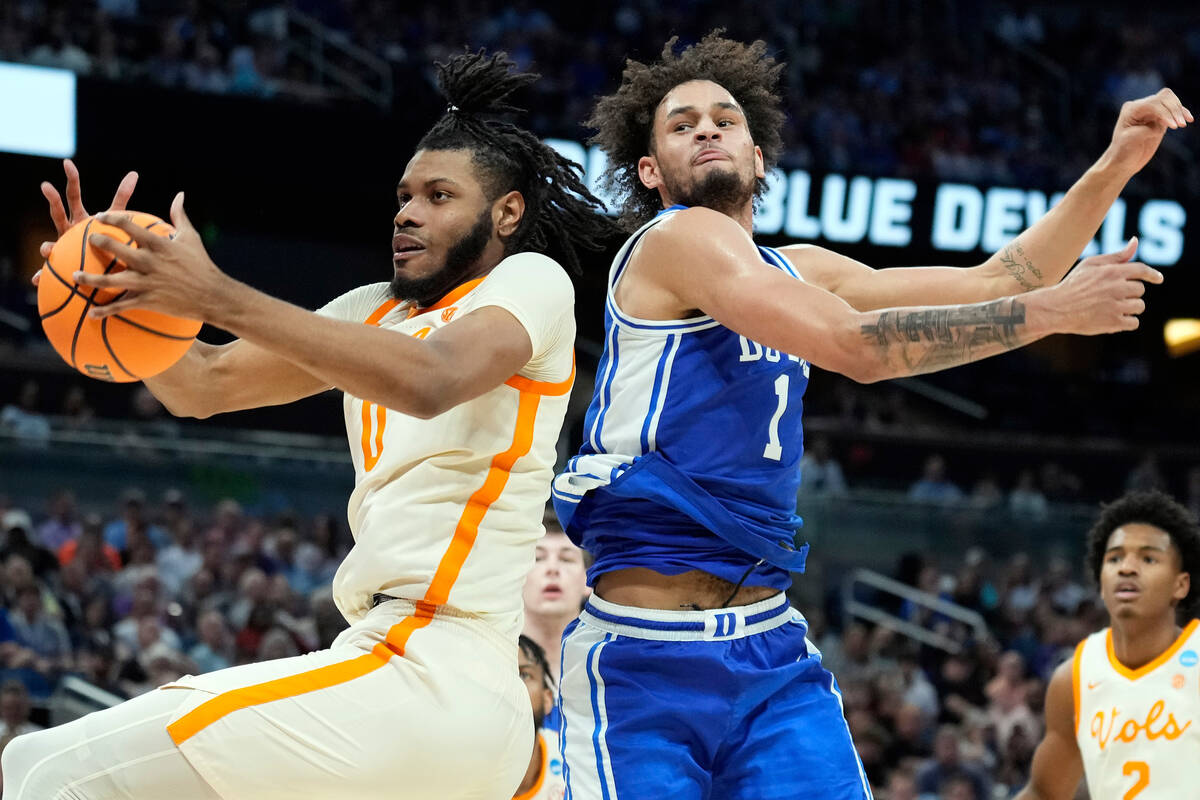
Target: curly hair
(624, 120)
(1160, 510)
(537, 655)
(561, 215)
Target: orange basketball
(125, 347)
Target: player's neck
(1137, 642)
(535, 767)
(547, 631)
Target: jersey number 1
(774, 450)
(1143, 772)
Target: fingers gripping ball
(129, 346)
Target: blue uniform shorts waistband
(717, 624)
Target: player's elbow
(848, 356)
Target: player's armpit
(214, 379)
(473, 355)
(1057, 763)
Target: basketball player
(688, 675)
(1125, 711)
(456, 377)
(555, 589)
(543, 776)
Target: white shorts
(448, 719)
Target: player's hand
(1141, 127)
(1103, 294)
(174, 276)
(65, 217)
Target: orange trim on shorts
(437, 594)
(221, 705)
(1163, 657)
(454, 296)
(1076, 668)
(465, 532)
(544, 387)
(537, 786)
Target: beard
(539, 718)
(460, 260)
(721, 190)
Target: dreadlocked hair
(560, 213)
(1163, 512)
(624, 120)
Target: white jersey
(549, 784)
(446, 511)
(1139, 730)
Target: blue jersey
(692, 446)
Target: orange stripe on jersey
(371, 456)
(541, 778)
(465, 532)
(380, 312)
(454, 296)
(544, 387)
(447, 573)
(1163, 657)
(1076, 665)
(209, 712)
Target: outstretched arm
(418, 377)
(1057, 763)
(1038, 257)
(702, 259)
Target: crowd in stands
(157, 588)
(1004, 93)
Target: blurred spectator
(933, 486)
(1191, 495)
(76, 413)
(44, 636)
(23, 420)
(215, 649)
(19, 540)
(90, 548)
(61, 524)
(986, 494)
(1146, 475)
(938, 775)
(14, 710)
(1007, 706)
(820, 473)
(1025, 501)
(133, 517)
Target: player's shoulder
(695, 223)
(358, 303)
(531, 271)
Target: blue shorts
(728, 704)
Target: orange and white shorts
(449, 719)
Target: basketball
(129, 346)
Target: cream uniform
(447, 510)
(1139, 730)
(549, 784)
(420, 696)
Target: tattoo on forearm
(936, 338)
(1020, 267)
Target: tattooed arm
(701, 261)
(1038, 257)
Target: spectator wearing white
(554, 592)
(1026, 501)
